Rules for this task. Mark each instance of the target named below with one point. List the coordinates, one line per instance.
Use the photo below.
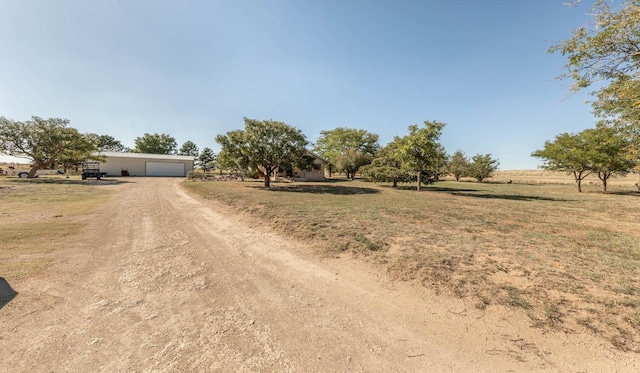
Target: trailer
(91, 169)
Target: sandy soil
(164, 282)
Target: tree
(607, 152)
(347, 149)
(441, 164)
(206, 157)
(351, 160)
(633, 151)
(607, 51)
(619, 103)
(386, 167)
(82, 150)
(268, 144)
(234, 156)
(189, 148)
(600, 150)
(421, 152)
(106, 143)
(458, 165)
(567, 153)
(482, 166)
(155, 144)
(46, 142)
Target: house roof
(148, 156)
(317, 156)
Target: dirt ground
(165, 282)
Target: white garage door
(164, 169)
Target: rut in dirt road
(175, 284)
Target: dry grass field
(37, 217)
(535, 177)
(570, 260)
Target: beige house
(140, 164)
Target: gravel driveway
(164, 282)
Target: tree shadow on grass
(468, 192)
(431, 188)
(513, 197)
(6, 292)
(632, 193)
(320, 189)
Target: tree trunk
(33, 170)
(267, 178)
(604, 176)
(395, 183)
(419, 179)
(330, 166)
(576, 177)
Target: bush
(196, 174)
(482, 166)
(251, 173)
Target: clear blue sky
(194, 69)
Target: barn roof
(148, 156)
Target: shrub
(196, 174)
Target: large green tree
(567, 153)
(155, 144)
(347, 149)
(189, 148)
(106, 143)
(421, 152)
(458, 165)
(387, 167)
(265, 143)
(350, 161)
(46, 142)
(234, 155)
(206, 159)
(606, 51)
(600, 150)
(607, 152)
(482, 166)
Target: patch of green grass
(529, 246)
(514, 297)
(368, 244)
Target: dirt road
(164, 282)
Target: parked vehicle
(91, 169)
(41, 172)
